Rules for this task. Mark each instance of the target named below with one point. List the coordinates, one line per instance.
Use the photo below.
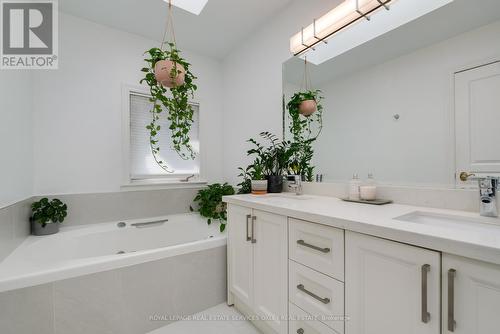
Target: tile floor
(208, 323)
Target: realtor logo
(29, 34)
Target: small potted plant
(258, 181)
(210, 203)
(47, 216)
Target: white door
(391, 288)
(240, 253)
(477, 121)
(270, 269)
(471, 296)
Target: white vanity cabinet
(391, 288)
(471, 296)
(258, 264)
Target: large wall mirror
(412, 108)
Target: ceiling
(221, 26)
(451, 20)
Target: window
(141, 163)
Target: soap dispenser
(368, 191)
(354, 185)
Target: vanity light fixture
(342, 16)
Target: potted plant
(47, 216)
(168, 69)
(210, 203)
(306, 102)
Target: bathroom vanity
(310, 264)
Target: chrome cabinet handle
(253, 230)
(248, 223)
(426, 316)
(300, 331)
(451, 300)
(315, 296)
(305, 244)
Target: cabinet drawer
(303, 323)
(317, 294)
(318, 247)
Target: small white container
(368, 193)
(354, 185)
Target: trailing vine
(179, 111)
(303, 134)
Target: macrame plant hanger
(169, 27)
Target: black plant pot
(274, 183)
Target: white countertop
(475, 241)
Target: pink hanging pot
(169, 74)
(308, 107)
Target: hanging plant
(306, 123)
(168, 72)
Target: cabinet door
(391, 288)
(271, 269)
(240, 254)
(471, 296)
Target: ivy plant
(210, 203)
(176, 105)
(45, 212)
(304, 130)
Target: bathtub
(87, 249)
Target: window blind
(142, 162)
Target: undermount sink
(289, 196)
(450, 221)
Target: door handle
(426, 316)
(248, 223)
(451, 300)
(253, 230)
(305, 244)
(312, 294)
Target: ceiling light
(335, 20)
(192, 6)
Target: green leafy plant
(304, 130)
(176, 105)
(273, 159)
(46, 212)
(210, 203)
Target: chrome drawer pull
(305, 244)
(426, 316)
(451, 300)
(248, 223)
(253, 230)
(300, 331)
(315, 296)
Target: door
(471, 296)
(391, 288)
(477, 121)
(270, 269)
(240, 253)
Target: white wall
(360, 134)
(16, 126)
(77, 132)
(253, 81)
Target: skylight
(192, 6)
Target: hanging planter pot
(170, 74)
(308, 107)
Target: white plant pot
(259, 187)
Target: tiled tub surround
(14, 226)
(88, 249)
(130, 300)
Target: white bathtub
(88, 249)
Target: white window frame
(153, 183)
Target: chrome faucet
(488, 187)
(296, 184)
